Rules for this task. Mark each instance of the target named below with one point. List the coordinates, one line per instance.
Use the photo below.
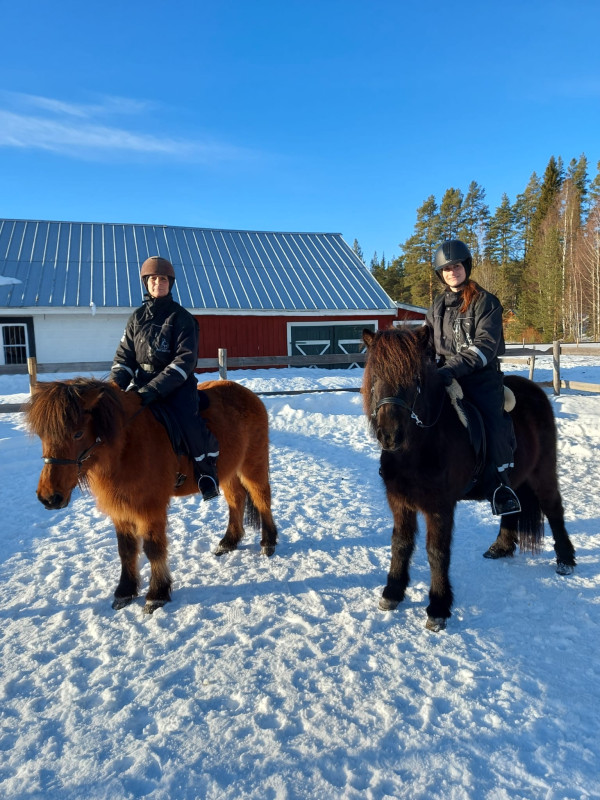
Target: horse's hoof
(564, 569)
(387, 604)
(224, 548)
(121, 602)
(494, 551)
(152, 605)
(267, 549)
(436, 624)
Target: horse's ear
(423, 335)
(105, 409)
(368, 336)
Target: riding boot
(504, 500)
(206, 474)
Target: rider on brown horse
(157, 356)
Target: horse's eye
(78, 435)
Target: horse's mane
(397, 357)
(59, 406)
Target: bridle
(397, 400)
(85, 454)
(78, 462)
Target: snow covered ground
(280, 679)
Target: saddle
(470, 417)
(174, 431)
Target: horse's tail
(530, 520)
(252, 518)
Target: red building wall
(263, 335)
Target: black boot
(208, 481)
(504, 500)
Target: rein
(396, 400)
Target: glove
(446, 375)
(148, 395)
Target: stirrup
(208, 487)
(505, 501)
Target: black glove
(148, 395)
(446, 375)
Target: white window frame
(4, 346)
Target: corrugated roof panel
(304, 273)
(261, 292)
(73, 264)
(334, 289)
(294, 283)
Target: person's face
(158, 285)
(454, 275)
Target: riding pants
(485, 390)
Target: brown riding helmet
(157, 265)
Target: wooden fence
(222, 363)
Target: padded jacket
(159, 348)
(466, 341)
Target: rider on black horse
(466, 322)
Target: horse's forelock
(52, 408)
(396, 357)
(57, 406)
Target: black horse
(428, 464)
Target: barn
(67, 289)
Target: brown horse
(428, 464)
(95, 435)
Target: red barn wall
(262, 335)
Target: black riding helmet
(452, 251)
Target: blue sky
(336, 116)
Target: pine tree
(594, 188)
(474, 216)
(571, 205)
(500, 256)
(418, 254)
(357, 249)
(524, 211)
(450, 214)
(551, 183)
(390, 276)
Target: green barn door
(319, 340)
(348, 339)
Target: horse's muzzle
(53, 501)
(388, 441)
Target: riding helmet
(452, 251)
(157, 265)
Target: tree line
(540, 254)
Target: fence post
(531, 367)
(556, 366)
(32, 370)
(222, 364)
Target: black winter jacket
(466, 341)
(159, 348)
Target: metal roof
(78, 264)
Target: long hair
(470, 291)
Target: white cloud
(108, 105)
(80, 130)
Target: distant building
(67, 289)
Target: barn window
(14, 344)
